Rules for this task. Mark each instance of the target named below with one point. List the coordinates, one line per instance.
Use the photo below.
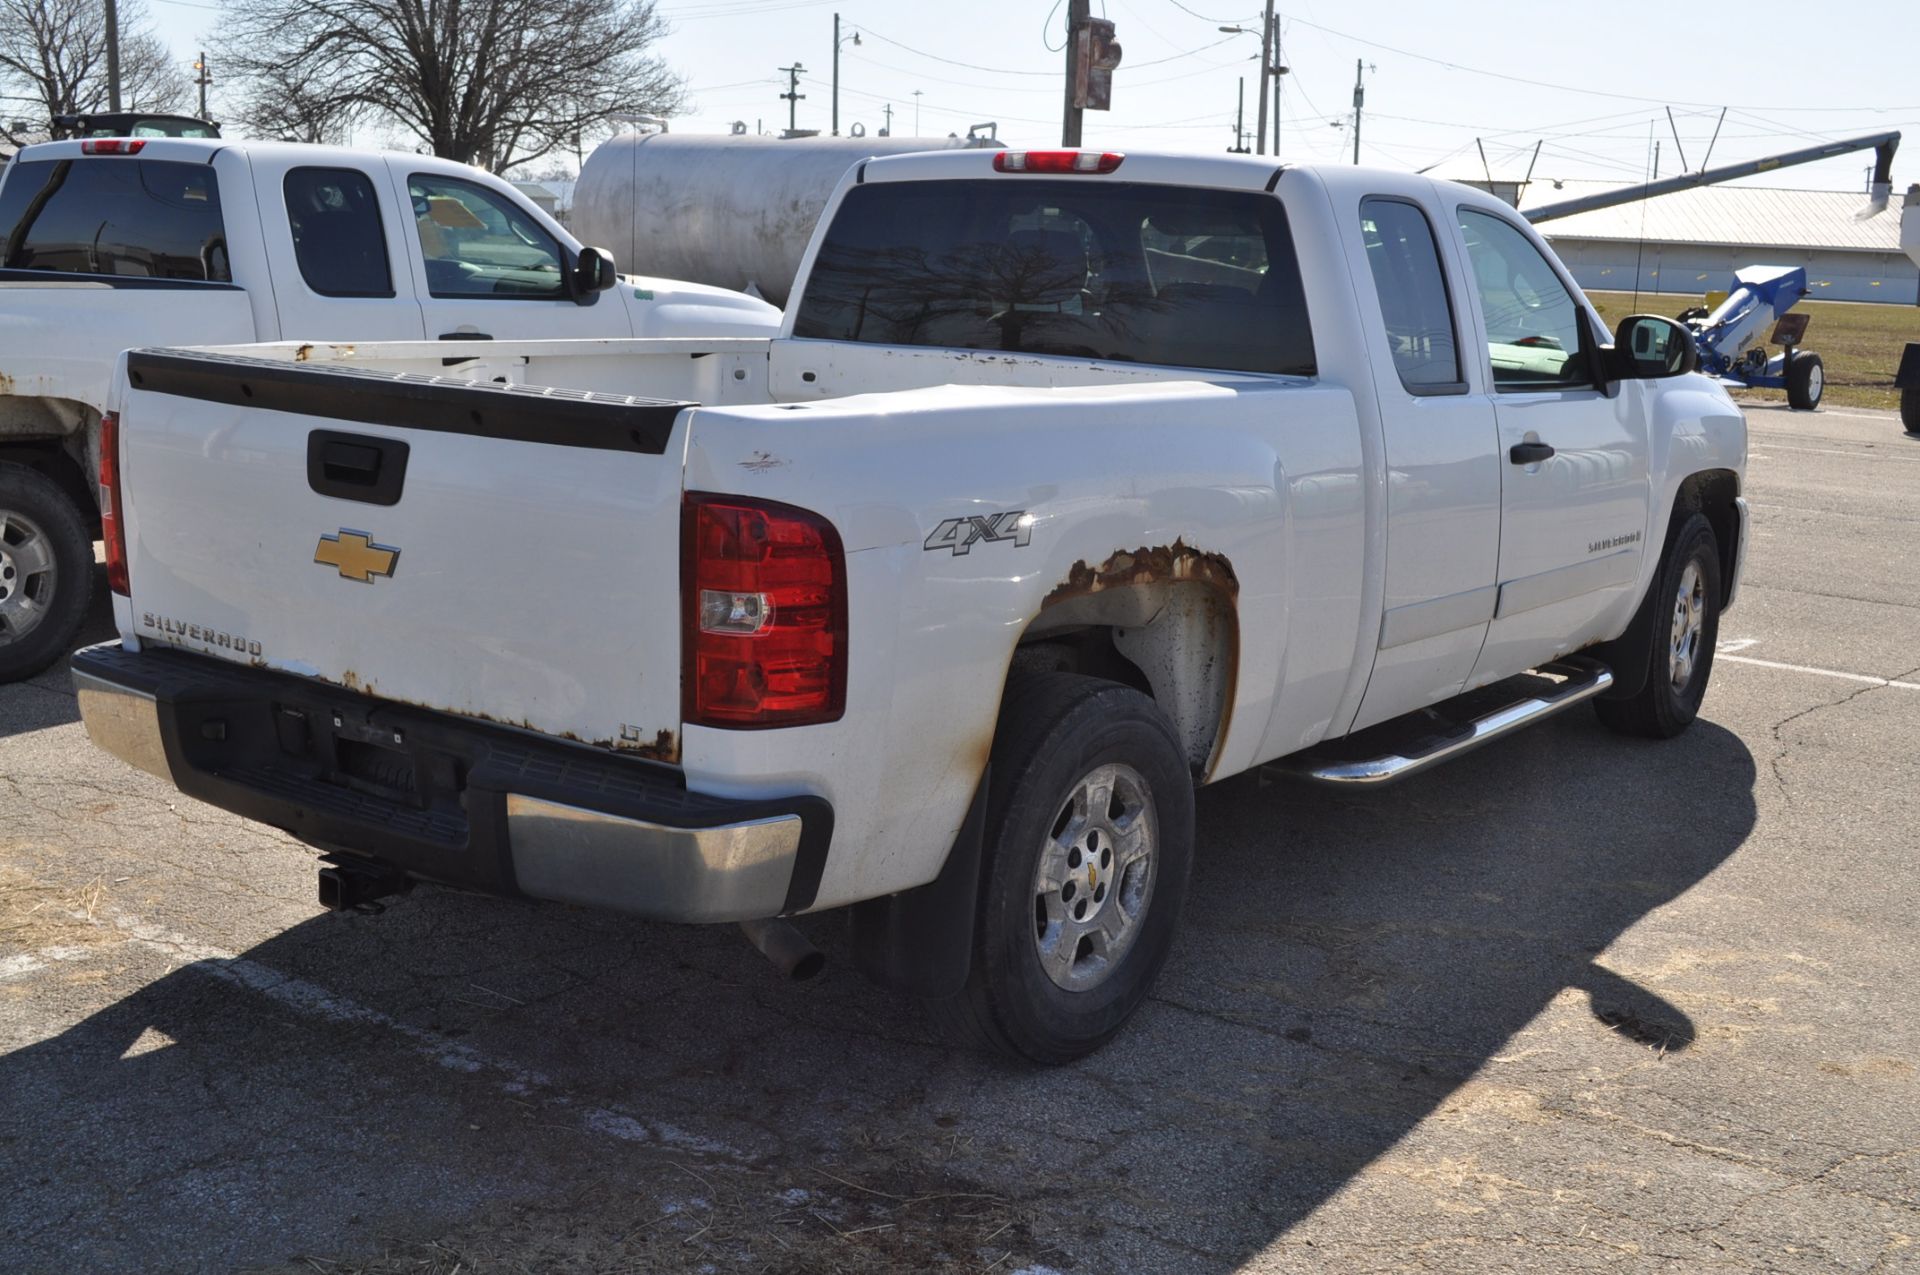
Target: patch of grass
(1859, 344)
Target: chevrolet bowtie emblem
(357, 557)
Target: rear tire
(1910, 409)
(46, 572)
(1806, 382)
(1088, 849)
(1686, 627)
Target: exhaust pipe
(353, 888)
(786, 947)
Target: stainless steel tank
(736, 211)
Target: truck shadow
(46, 699)
(1346, 967)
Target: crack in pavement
(1773, 763)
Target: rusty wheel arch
(1164, 619)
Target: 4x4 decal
(960, 534)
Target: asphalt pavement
(1573, 1003)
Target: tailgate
(503, 552)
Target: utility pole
(113, 55)
(792, 97)
(1078, 11)
(1239, 146)
(1266, 67)
(887, 110)
(1359, 101)
(204, 78)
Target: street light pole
(1279, 68)
(1266, 64)
(838, 40)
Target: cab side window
(338, 237)
(477, 243)
(1413, 295)
(1537, 334)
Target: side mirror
(592, 272)
(1651, 347)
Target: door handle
(1529, 453)
(356, 466)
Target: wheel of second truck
(46, 572)
(1910, 409)
(1806, 382)
(1686, 620)
(1089, 842)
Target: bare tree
(54, 54)
(495, 82)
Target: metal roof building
(1692, 241)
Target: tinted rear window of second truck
(114, 215)
(1078, 267)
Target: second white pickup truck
(113, 242)
(1074, 480)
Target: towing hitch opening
(346, 887)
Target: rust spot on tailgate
(664, 746)
(305, 352)
(1177, 563)
(761, 462)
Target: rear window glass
(134, 218)
(338, 237)
(1084, 268)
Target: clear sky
(1588, 81)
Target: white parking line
(1868, 678)
(314, 1001)
(1869, 451)
(24, 963)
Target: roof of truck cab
(1231, 172)
(203, 149)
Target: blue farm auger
(1730, 335)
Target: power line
(726, 9)
(965, 84)
(1565, 88)
(971, 66)
(1203, 17)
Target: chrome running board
(1582, 680)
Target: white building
(1692, 241)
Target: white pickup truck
(110, 243)
(1074, 480)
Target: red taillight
(113, 146)
(113, 527)
(1056, 161)
(764, 593)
